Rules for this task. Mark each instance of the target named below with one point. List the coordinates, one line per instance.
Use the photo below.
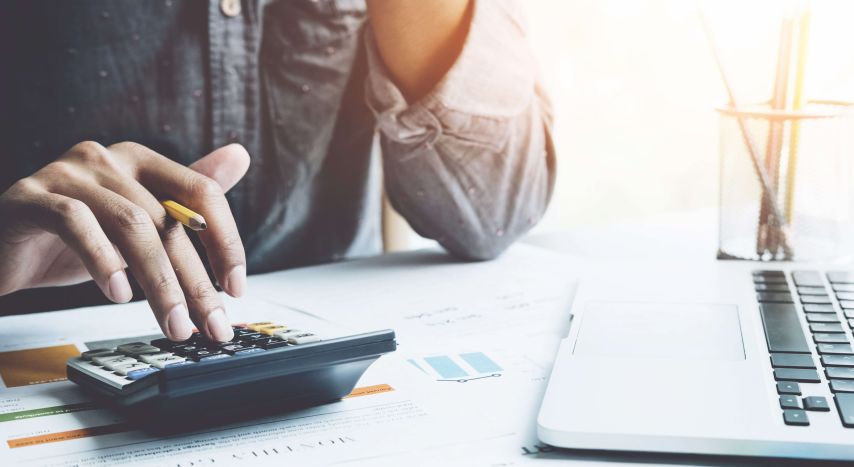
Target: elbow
(478, 245)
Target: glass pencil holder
(787, 183)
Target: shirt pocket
(308, 54)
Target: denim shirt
(300, 84)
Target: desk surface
(337, 294)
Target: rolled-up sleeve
(471, 164)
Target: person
(107, 106)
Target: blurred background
(635, 86)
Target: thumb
(227, 165)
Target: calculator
(267, 366)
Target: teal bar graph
(480, 362)
(445, 367)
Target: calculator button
(168, 361)
(302, 339)
(137, 348)
(96, 353)
(285, 333)
(119, 362)
(148, 358)
(104, 359)
(270, 330)
(273, 343)
(205, 355)
(141, 373)
(249, 336)
(186, 349)
(125, 369)
(166, 344)
(237, 349)
(256, 326)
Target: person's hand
(96, 210)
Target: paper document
(476, 342)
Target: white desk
(371, 293)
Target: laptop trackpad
(666, 330)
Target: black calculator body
(170, 386)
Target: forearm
(419, 40)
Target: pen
(185, 215)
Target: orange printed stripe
(368, 390)
(67, 435)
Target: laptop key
(792, 360)
(773, 297)
(826, 327)
(788, 387)
(782, 328)
(845, 407)
(816, 403)
(822, 318)
(795, 417)
(846, 304)
(818, 308)
(837, 360)
(829, 338)
(840, 277)
(842, 385)
(839, 372)
(773, 288)
(816, 299)
(811, 291)
(790, 402)
(769, 280)
(800, 375)
(835, 349)
(807, 278)
(845, 295)
(843, 287)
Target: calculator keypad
(135, 360)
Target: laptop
(737, 358)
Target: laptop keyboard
(827, 304)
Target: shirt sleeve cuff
(493, 77)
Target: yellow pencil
(794, 135)
(185, 215)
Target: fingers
(204, 303)
(133, 231)
(205, 196)
(75, 223)
(226, 165)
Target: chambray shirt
(301, 85)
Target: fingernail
(235, 282)
(119, 288)
(178, 324)
(218, 326)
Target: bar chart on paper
(461, 367)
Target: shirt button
(230, 8)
